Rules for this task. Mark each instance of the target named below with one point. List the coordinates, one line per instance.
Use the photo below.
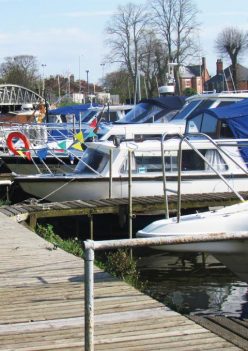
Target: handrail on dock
(90, 246)
(185, 138)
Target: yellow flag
(80, 137)
(77, 146)
(20, 153)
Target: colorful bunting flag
(93, 124)
(91, 134)
(21, 153)
(80, 137)
(77, 146)
(42, 153)
(62, 145)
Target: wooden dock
(33, 210)
(42, 304)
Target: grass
(119, 263)
(71, 245)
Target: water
(187, 286)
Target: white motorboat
(105, 166)
(231, 219)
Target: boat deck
(42, 304)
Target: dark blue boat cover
(170, 102)
(235, 116)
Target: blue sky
(68, 35)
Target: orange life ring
(12, 147)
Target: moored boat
(231, 219)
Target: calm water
(187, 286)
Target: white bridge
(15, 95)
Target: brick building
(194, 76)
(223, 80)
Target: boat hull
(90, 188)
(232, 219)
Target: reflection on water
(193, 284)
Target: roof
(191, 71)
(242, 74)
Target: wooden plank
(42, 304)
(218, 329)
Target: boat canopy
(73, 109)
(153, 109)
(233, 117)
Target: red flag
(93, 124)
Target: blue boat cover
(72, 109)
(235, 116)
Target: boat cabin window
(92, 160)
(225, 103)
(88, 115)
(139, 113)
(207, 124)
(195, 105)
(145, 164)
(225, 131)
(203, 123)
(191, 161)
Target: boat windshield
(193, 106)
(87, 115)
(140, 113)
(93, 161)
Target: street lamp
(87, 73)
(79, 73)
(43, 78)
(102, 65)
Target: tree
(21, 70)
(119, 83)
(126, 31)
(175, 20)
(232, 42)
(153, 63)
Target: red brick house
(194, 76)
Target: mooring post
(90, 216)
(89, 297)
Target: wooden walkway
(33, 210)
(42, 304)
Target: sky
(67, 36)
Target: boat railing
(206, 92)
(186, 138)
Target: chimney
(219, 66)
(203, 64)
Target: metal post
(164, 179)
(179, 180)
(91, 226)
(43, 79)
(87, 74)
(110, 173)
(89, 299)
(130, 209)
